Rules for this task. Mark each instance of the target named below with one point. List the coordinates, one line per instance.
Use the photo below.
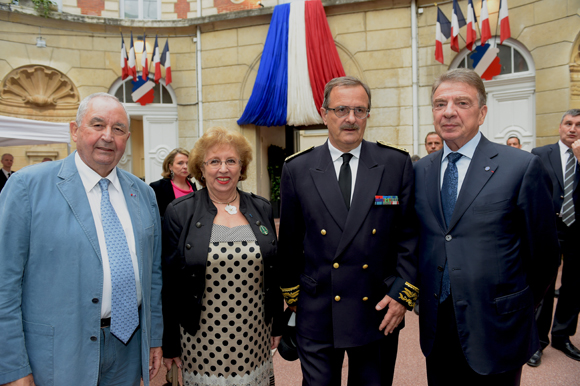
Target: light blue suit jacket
(51, 275)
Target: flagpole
(497, 25)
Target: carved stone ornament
(39, 86)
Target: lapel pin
(264, 230)
(487, 168)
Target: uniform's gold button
(365, 299)
(374, 231)
(337, 298)
(365, 266)
(323, 232)
(335, 265)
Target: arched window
(124, 88)
(511, 98)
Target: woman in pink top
(175, 182)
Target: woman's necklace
(229, 208)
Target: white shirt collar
(335, 154)
(466, 150)
(563, 149)
(90, 178)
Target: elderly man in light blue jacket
(80, 271)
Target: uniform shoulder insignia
(385, 144)
(299, 153)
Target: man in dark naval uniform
(347, 245)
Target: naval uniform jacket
(340, 263)
(186, 233)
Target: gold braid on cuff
(409, 294)
(291, 295)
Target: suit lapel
(367, 182)
(556, 163)
(433, 184)
(480, 170)
(72, 189)
(326, 182)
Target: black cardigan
(186, 233)
(164, 193)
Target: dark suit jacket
(502, 251)
(550, 156)
(359, 255)
(3, 179)
(164, 193)
(186, 234)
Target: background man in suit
(7, 161)
(487, 248)
(433, 142)
(80, 263)
(514, 141)
(561, 161)
(347, 245)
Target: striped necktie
(568, 215)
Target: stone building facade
(374, 41)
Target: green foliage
(276, 157)
(43, 7)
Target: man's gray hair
(344, 81)
(84, 106)
(462, 75)
(571, 112)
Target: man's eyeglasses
(217, 163)
(343, 111)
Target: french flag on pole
(299, 58)
(132, 61)
(166, 62)
(144, 61)
(442, 33)
(156, 61)
(124, 64)
(504, 21)
(484, 22)
(471, 23)
(457, 21)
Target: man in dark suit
(561, 161)
(347, 243)
(488, 246)
(7, 161)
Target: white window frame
(122, 10)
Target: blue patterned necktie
(124, 313)
(448, 199)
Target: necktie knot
(346, 157)
(104, 184)
(454, 157)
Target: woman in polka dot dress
(221, 300)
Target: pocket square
(386, 200)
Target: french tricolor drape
(299, 58)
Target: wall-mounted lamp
(40, 42)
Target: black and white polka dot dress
(232, 345)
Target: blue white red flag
(504, 22)
(143, 91)
(442, 33)
(144, 61)
(124, 64)
(484, 22)
(471, 35)
(156, 61)
(457, 21)
(486, 62)
(132, 61)
(166, 62)
(299, 58)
